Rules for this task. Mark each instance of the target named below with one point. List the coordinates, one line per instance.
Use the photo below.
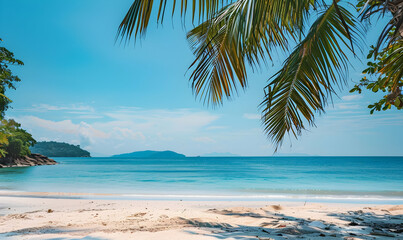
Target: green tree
(234, 34)
(378, 78)
(7, 79)
(14, 133)
(14, 141)
(14, 148)
(3, 140)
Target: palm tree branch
(243, 32)
(304, 84)
(138, 16)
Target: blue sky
(78, 86)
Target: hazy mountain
(150, 154)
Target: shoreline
(343, 199)
(49, 218)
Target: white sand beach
(50, 218)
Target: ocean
(319, 179)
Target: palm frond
(393, 31)
(242, 33)
(304, 84)
(138, 16)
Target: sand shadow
(358, 225)
(83, 238)
(265, 224)
(49, 230)
(386, 225)
(273, 229)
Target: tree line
(14, 141)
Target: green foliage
(14, 148)
(11, 133)
(137, 18)
(393, 31)
(244, 32)
(14, 141)
(383, 80)
(7, 79)
(385, 72)
(306, 80)
(58, 149)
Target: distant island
(151, 154)
(59, 149)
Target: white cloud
(351, 97)
(162, 120)
(79, 109)
(126, 134)
(65, 126)
(125, 129)
(204, 140)
(251, 116)
(82, 132)
(193, 132)
(89, 116)
(216, 127)
(347, 106)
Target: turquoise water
(367, 179)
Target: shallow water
(362, 179)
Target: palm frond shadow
(280, 226)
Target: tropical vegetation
(59, 149)
(232, 35)
(14, 141)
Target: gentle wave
(199, 197)
(380, 198)
(321, 192)
(209, 197)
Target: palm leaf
(304, 84)
(241, 33)
(393, 31)
(138, 17)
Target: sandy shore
(48, 218)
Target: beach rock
(381, 233)
(26, 161)
(297, 230)
(276, 207)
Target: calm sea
(349, 179)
